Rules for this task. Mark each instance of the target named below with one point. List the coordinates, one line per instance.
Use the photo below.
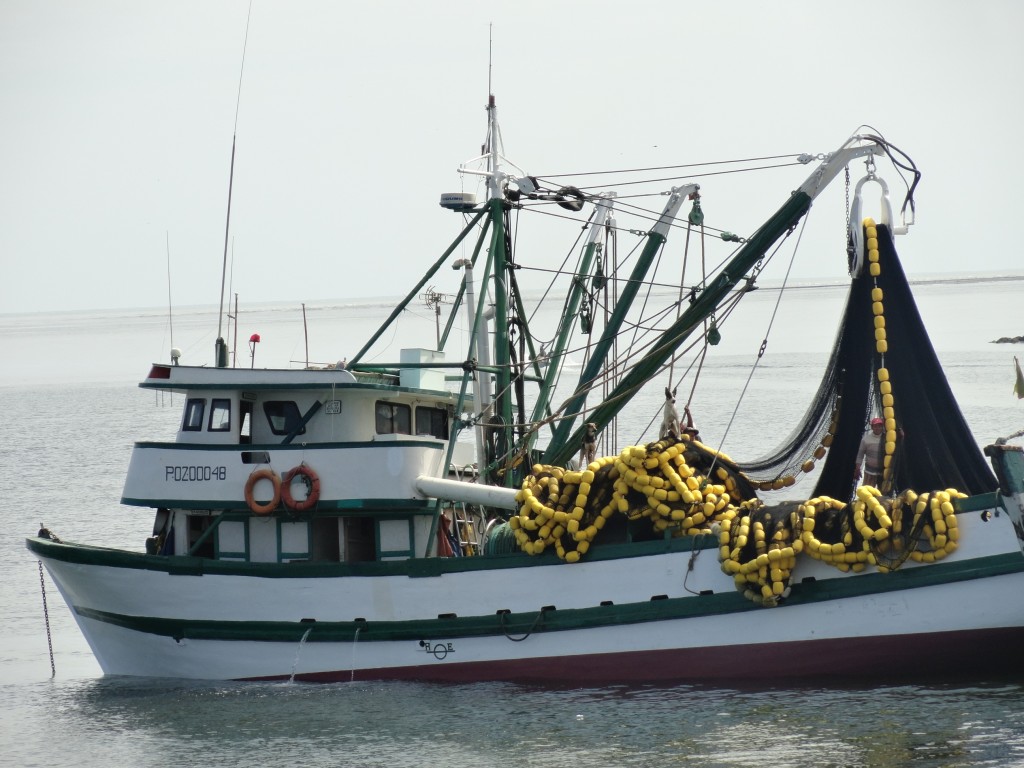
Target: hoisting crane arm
(563, 447)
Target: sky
(117, 122)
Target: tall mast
(493, 157)
(499, 258)
(220, 351)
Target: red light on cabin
(159, 372)
(254, 338)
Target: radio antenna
(170, 303)
(221, 351)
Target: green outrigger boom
(568, 321)
(655, 240)
(564, 446)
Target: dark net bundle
(937, 450)
(934, 447)
(814, 435)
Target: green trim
(978, 503)
(414, 568)
(398, 507)
(558, 620)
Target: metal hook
(856, 220)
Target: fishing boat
(472, 516)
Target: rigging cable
(671, 167)
(729, 306)
(768, 330)
(610, 372)
(709, 174)
(639, 212)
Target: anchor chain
(46, 617)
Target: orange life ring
(255, 477)
(312, 481)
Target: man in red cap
(870, 454)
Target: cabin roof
(182, 378)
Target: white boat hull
(637, 618)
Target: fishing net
(933, 447)
(882, 363)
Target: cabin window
(432, 421)
(324, 539)
(245, 423)
(360, 540)
(220, 415)
(197, 527)
(393, 418)
(193, 415)
(283, 416)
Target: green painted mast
(495, 207)
(503, 378)
(655, 239)
(568, 322)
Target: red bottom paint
(927, 656)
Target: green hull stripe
(979, 502)
(516, 625)
(555, 620)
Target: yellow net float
(757, 545)
(685, 488)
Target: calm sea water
(71, 411)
